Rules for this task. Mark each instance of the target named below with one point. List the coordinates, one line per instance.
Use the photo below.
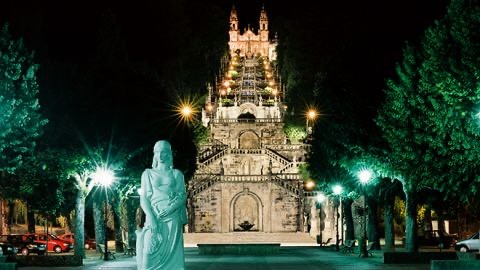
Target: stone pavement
(291, 258)
(298, 251)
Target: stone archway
(249, 140)
(246, 207)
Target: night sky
(68, 29)
(374, 31)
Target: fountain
(246, 225)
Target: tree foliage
(20, 119)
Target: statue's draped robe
(163, 249)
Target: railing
(277, 156)
(290, 165)
(289, 147)
(210, 150)
(201, 182)
(241, 151)
(213, 158)
(197, 186)
(247, 120)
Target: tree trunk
(441, 220)
(428, 218)
(131, 206)
(347, 211)
(79, 246)
(373, 222)
(411, 243)
(99, 222)
(11, 208)
(117, 225)
(388, 212)
(70, 225)
(30, 219)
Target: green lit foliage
(429, 116)
(20, 120)
(200, 133)
(450, 81)
(295, 133)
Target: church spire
(233, 19)
(263, 23)
(263, 19)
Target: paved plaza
(289, 258)
(298, 251)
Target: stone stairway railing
(209, 150)
(287, 184)
(283, 160)
(212, 159)
(256, 151)
(202, 182)
(290, 165)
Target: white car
(470, 244)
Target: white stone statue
(163, 199)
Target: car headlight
(66, 244)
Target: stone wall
(224, 206)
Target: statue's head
(162, 153)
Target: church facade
(248, 43)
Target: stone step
(285, 239)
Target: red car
(89, 243)
(52, 241)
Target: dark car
(436, 238)
(8, 249)
(24, 246)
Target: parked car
(436, 238)
(470, 244)
(52, 241)
(25, 246)
(8, 249)
(89, 243)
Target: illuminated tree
(429, 115)
(20, 120)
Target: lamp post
(320, 199)
(364, 175)
(104, 177)
(337, 190)
(311, 115)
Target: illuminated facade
(249, 44)
(247, 173)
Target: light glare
(103, 177)
(365, 175)
(320, 197)
(337, 190)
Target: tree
(397, 121)
(20, 116)
(429, 118)
(449, 83)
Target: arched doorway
(248, 140)
(246, 208)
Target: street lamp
(337, 190)
(320, 199)
(364, 176)
(104, 177)
(311, 115)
